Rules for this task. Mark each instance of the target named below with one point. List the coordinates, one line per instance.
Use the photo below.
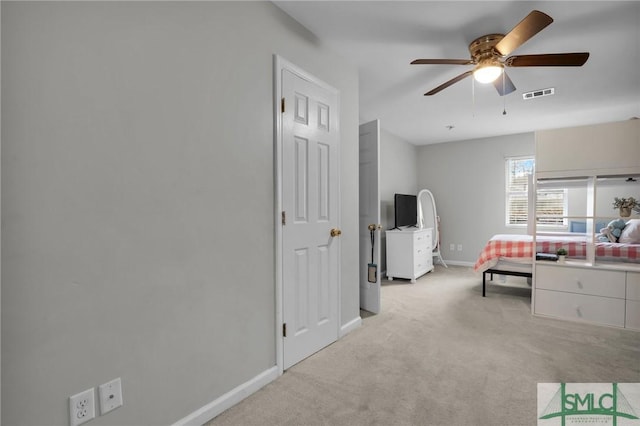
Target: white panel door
(370, 216)
(310, 200)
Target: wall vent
(538, 93)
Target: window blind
(550, 202)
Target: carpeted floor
(441, 354)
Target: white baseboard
(229, 399)
(234, 396)
(459, 263)
(350, 326)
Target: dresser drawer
(633, 286)
(422, 239)
(580, 307)
(423, 266)
(421, 253)
(595, 282)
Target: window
(550, 202)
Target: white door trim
(280, 64)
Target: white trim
(229, 399)
(280, 64)
(459, 263)
(350, 326)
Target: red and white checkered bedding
(520, 247)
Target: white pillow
(631, 232)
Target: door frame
(280, 64)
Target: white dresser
(409, 253)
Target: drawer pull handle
(579, 284)
(578, 311)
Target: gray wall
(467, 180)
(138, 201)
(398, 174)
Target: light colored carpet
(441, 354)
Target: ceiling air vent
(538, 93)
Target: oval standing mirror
(428, 218)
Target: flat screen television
(406, 210)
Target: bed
(508, 254)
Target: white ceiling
(382, 37)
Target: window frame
(509, 194)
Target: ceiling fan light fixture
(487, 73)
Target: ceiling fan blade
(442, 62)
(504, 85)
(531, 25)
(548, 60)
(449, 83)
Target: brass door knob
(335, 232)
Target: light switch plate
(110, 395)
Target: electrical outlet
(459, 247)
(110, 396)
(452, 247)
(82, 407)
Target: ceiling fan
(488, 54)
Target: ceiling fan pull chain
(473, 97)
(504, 96)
